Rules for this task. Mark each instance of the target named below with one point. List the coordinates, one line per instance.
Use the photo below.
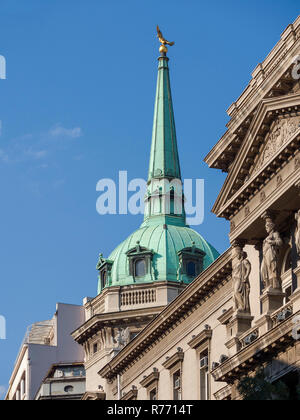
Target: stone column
(272, 297)
(22, 388)
(18, 395)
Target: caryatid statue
(297, 236)
(241, 284)
(270, 265)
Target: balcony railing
(138, 297)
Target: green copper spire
(163, 242)
(164, 202)
(164, 159)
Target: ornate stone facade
(280, 134)
(242, 312)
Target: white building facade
(45, 344)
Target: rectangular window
(177, 385)
(288, 293)
(204, 379)
(95, 348)
(153, 395)
(103, 275)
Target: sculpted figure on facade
(179, 271)
(241, 284)
(297, 236)
(270, 265)
(122, 337)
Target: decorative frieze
(254, 184)
(262, 196)
(280, 134)
(279, 180)
(270, 344)
(250, 338)
(282, 314)
(232, 226)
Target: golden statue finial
(163, 49)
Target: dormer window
(104, 267)
(140, 262)
(190, 263)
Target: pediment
(281, 132)
(225, 151)
(275, 125)
(139, 250)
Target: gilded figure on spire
(163, 49)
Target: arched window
(140, 268)
(172, 204)
(191, 269)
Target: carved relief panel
(280, 134)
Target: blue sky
(77, 106)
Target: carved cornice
(93, 396)
(223, 393)
(172, 361)
(225, 318)
(253, 186)
(97, 322)
(148, 380)
(238, 243)
(261, 350)
(204, 336)
(271, 78)
(257, 208)
(256, 137)
(131, 395)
